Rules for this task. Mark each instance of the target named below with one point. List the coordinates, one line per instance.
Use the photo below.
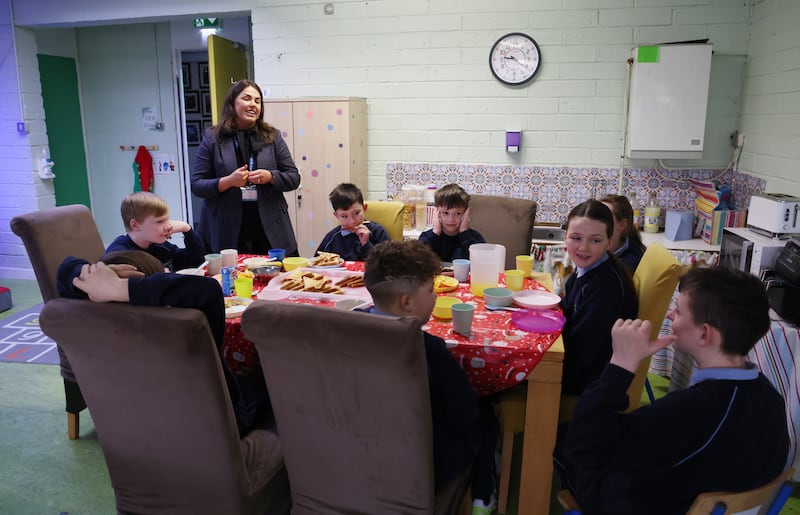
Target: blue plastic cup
(277, 254)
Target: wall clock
(515, 58)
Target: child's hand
(437, 222)
(125, 271)
(363, 234)
(178, 226)
(101, 284)
(464, 221)
(630, 340)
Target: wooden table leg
(539, 438)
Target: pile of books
(713, 211)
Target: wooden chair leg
(505, 471)
(73, 425)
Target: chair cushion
(389, 215)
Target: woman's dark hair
(227, 124)
(624, 211)
(144, 262)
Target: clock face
(515, 58)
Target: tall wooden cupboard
(328, 141)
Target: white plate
(536, 299)
(238, 307)
(255, 262)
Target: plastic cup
(525, 263)
(277, 254)
(462, 318)
(244, 287)
(461, 270)
(214, 263)
(515, 279)
(230, 257)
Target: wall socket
(737, 139)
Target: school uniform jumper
(451, 247)
(347, 244)
(726, 432)
(170, 255)
(630, 255)
(595, 298)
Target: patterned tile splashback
(557, 189)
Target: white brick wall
(423, 67)
(770, 119)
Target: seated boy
(147, 227)
(132, 276)
(354, 238)
(399, 276)
(726, 432)
(451, 236)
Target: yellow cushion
(387, 213)
(655, 280)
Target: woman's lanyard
(249, 192)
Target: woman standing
(242, 168)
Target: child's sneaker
(481, 508)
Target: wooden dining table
(542, 387)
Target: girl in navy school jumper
(354, 238)
(451, 236)
(626, 243)
(598, 293)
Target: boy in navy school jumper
(451, 236)
(726, 432)
(399, 276)
(354, 238)
(147, 228)
(137, 277)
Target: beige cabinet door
(327, 138)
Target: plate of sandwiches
(315, 283)
(235, 306)
(326, 260)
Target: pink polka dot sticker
(339, 112)
(314, 173)
(309, 114)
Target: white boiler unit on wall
(668, 100)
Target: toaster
(774, 213)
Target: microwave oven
(747, 250)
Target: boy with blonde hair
(147, 227)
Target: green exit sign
(206, 23)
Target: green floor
(44, 473)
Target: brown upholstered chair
(159, 402)
(50, 235)
(504, 220)
(349, 392)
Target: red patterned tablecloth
(496, 356)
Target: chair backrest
(768, 499)
(389, 214)
(504, 220)
(655, 280)
(349, 391)
(52, 234)
(159, 402)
